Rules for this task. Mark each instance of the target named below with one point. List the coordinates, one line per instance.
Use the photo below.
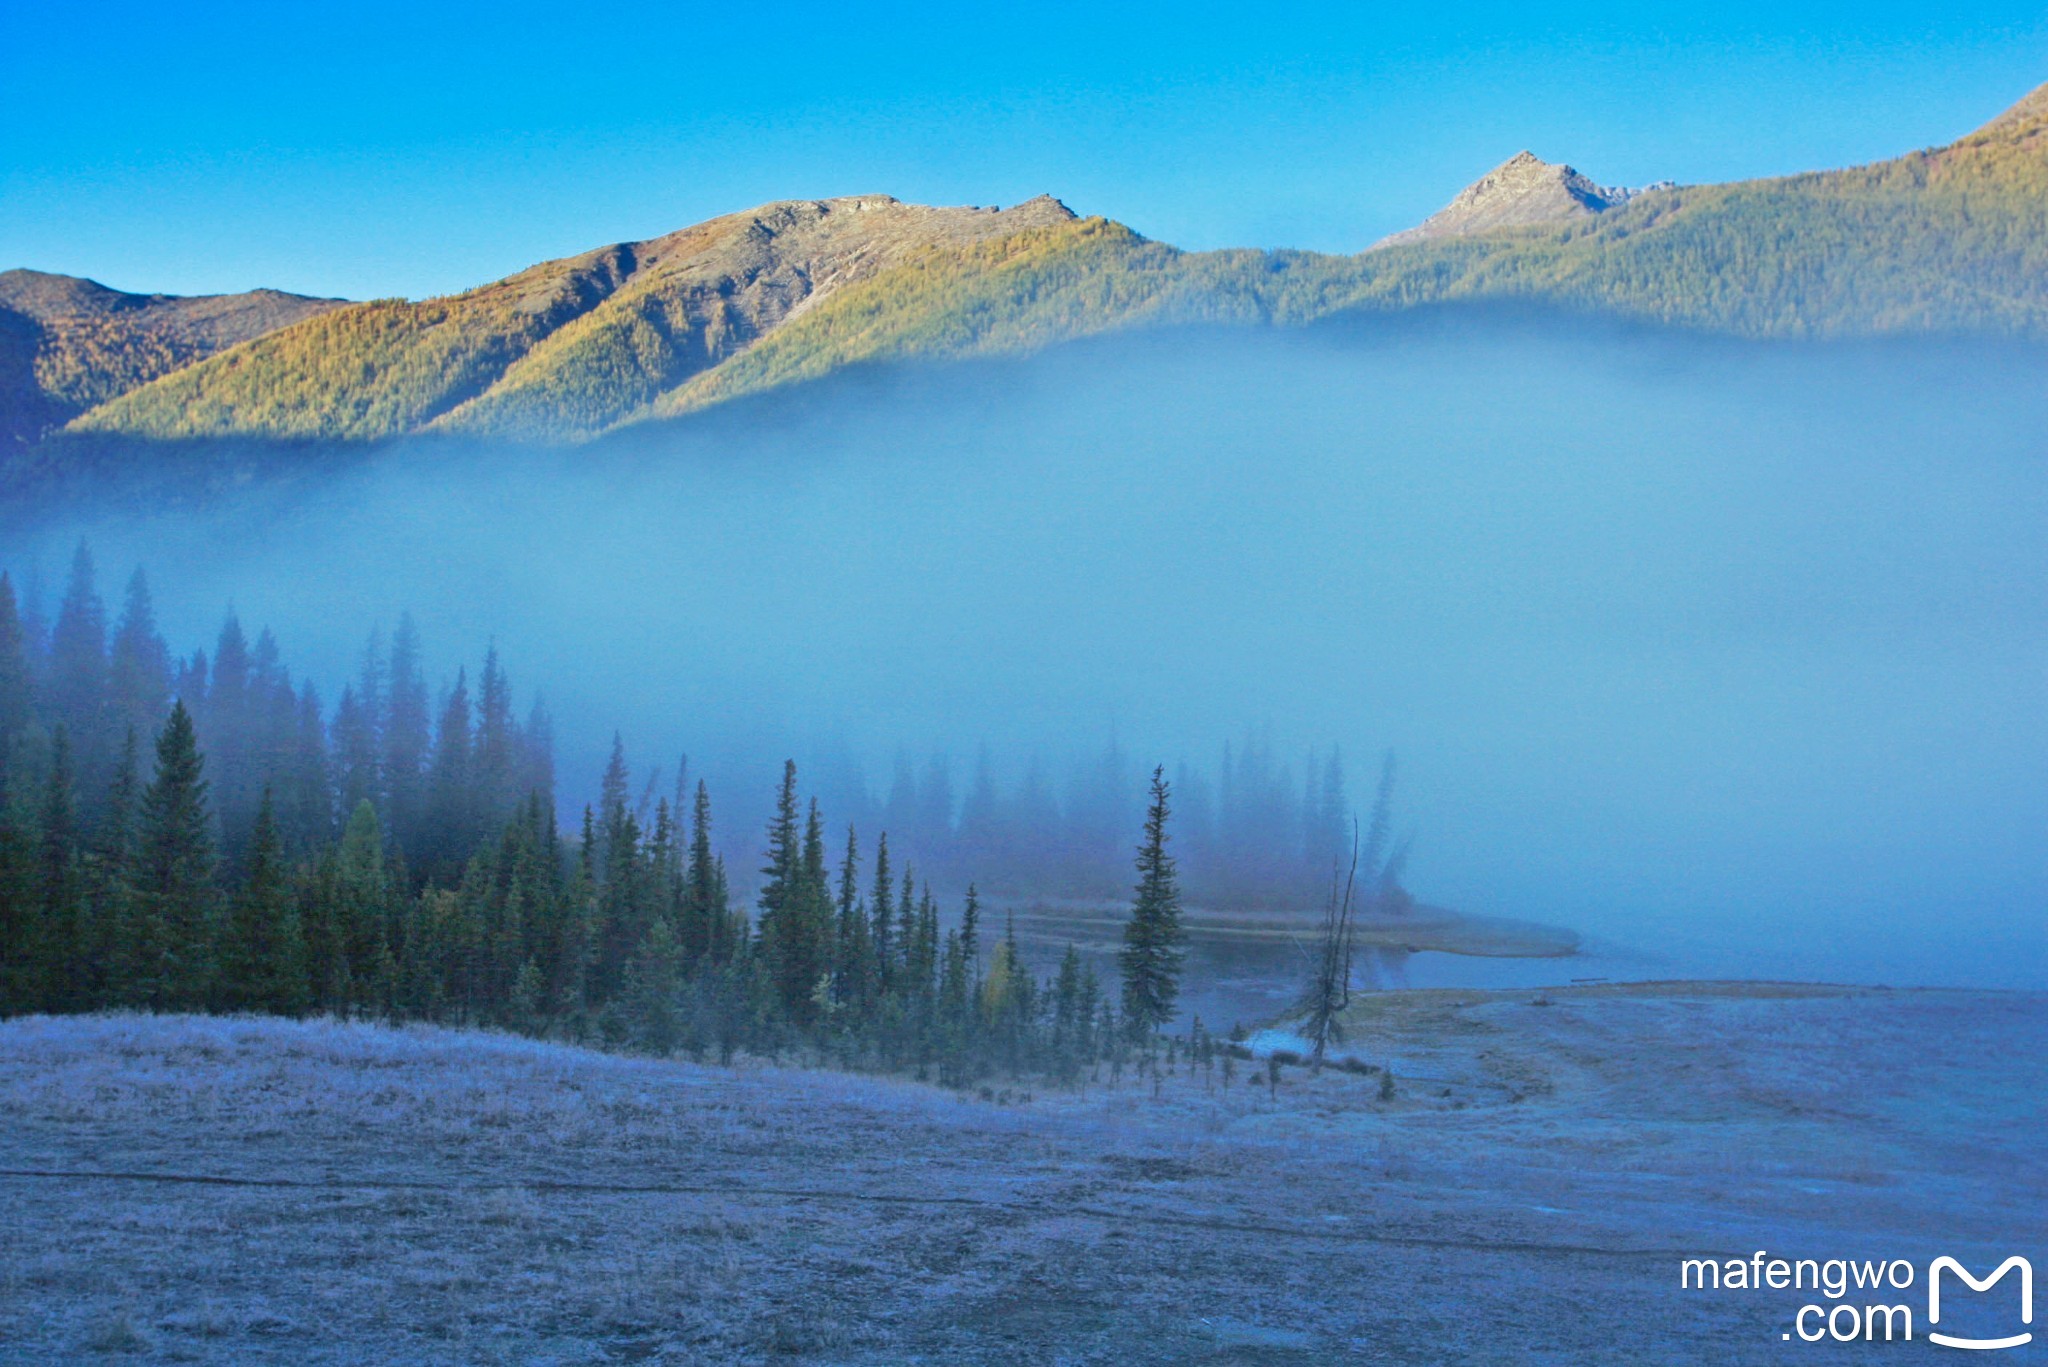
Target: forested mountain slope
(68, 344)
(562, 349)
(1949, 240)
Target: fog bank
(1732, 654)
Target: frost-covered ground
(256, 1191)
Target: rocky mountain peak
(1523, 191)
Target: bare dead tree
(1329, 990)
(1329, 986)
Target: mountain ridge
(67, 344)
(564, 347)
(1952, 238)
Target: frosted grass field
(231, 1190)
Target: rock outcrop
(1523, 191)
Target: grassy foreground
(237, 1190)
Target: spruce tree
(18, 920)
(703, 914)
(970, 933)
(613, 803)
(262, 954)
(228, 722)
(882, 939)
(16, 673)
(78, 672)
(653, 982)
(537, 753)
(623, 905)
(110, 882)
(815, 924)
(784, 849)
(61, 943)
(449, 826)
(854, 971)
(1153, 951)
(139, 666)
(173, 878)
(784, 931)
(925, 957)
(1070, 1016)
(362, 912)
(569, 978)
(497, 760)
(354, 735)
(305, 805)
(404, 735)
(903, 940)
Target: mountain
(1521, 192)
(1953, 239)
(1950, 240)
(67, 345)
(562, 349)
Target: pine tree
(449, 827)
(59, 942)
(816, 926)
(613, 803)
(262, 954)
(139, 667)
(110, 883)
(1091, 1005)
(653, 982)
(954, 1011)
(404, 735)
(704, 912)
(355, 752)
(78, 672)
(537, 754)
(1070, 1016)
(854, 973)
(18, 920)
(173, 883)
(786, 917)
(569, 979)
(1153, 939)
(925, 959)
(882, 938)
(358, 734)
(970, 933)
(497, 758)
(323, 930)
(623, 905)
(305, 806)
(226, 720)
(904, 939)
(363, 912)
(16, 672)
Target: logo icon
(1934, 1271)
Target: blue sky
(414, 148)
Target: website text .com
(1879, 1312)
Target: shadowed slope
(68, 344)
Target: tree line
(199, 835)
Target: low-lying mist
(1731, 655)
